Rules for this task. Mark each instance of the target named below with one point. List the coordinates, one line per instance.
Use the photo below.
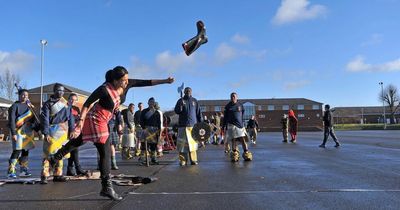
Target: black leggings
(15, 154)
(102, 149)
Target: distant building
(34, 94)
(4, 105)
(362, 115)
(269, 112)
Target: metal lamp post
(43, 43)
(383, 107)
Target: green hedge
(366, 127)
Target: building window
(300, 107)
(249, 110)
(285, 107)
(259, 108)
(300, 115)
(203, 108)
(271, 107)
(217, 108)
(315, 107)
(45, 97)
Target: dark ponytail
(118, 72)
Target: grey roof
(5, 101)
(272, 101)
(49, 89)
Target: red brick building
(269, 112)
(363, 115)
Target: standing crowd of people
(65, 128)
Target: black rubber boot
(70, 171)
(107, 190)
(59, 179)
(80, 171)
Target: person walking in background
(285, 129)
(293, 126)
(328, 127)
(252, 128)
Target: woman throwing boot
(94, 121)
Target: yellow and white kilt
(185, 142)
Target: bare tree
(391, 97)
(7, 87)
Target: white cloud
(138, 69)
(237, 84)
(374, 39)
(295, 85)
(15, 61)
(297, 10)
(225, 53)
(240, 39)
(164, 63)
(172, 63)
(359, 65)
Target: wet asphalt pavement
(362, 174)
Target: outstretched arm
(144, 83)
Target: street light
(383, 106)
(43, 43)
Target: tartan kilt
(95, 127)
(114, 138)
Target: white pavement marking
(267, 191)
(78, 196)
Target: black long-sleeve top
(64, 115)
(136, 118)
(188, 110)
(105, 99)
(16, 110)
(233, 114)
(328, 122)
(150, 117)
(128, 117)
(252, 123)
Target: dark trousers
(102, 149)
(329, 131)
(15, 154)
(74, 159)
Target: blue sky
(333, 52)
